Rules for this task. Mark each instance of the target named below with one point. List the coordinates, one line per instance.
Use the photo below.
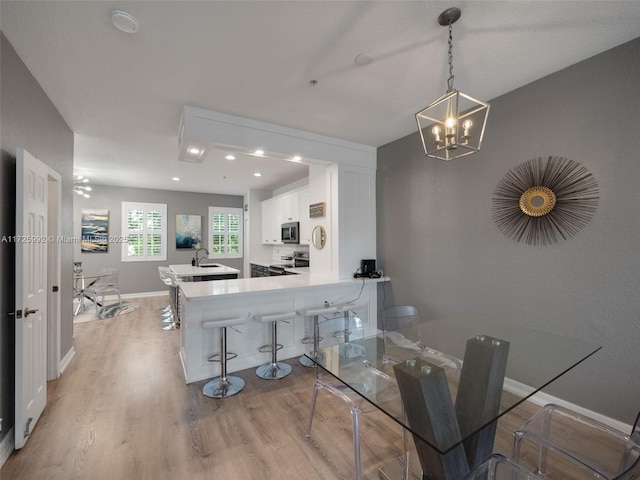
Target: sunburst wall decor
(543, 200)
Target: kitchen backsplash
(286, 250)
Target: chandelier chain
(450, 79)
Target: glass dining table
(451, 413)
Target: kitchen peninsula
(248, 297)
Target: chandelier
(80, 186)
(452, 126)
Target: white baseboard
(146, 294)
(6, 446)
(542, 399)
(66, 360)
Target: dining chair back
(556, 434)
(107, 283)
(403, 339)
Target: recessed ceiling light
(230, 157)
(124, 21)
(297, 158)
(259, 152)
(194, 151)
(257, 174)
(363, 59)
(176, 179)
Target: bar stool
(314, 339)
(174, 297)
(166, 313)
(275, 369)
(223, 386)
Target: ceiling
(122, 94)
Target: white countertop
(187, 270)
(246, 286)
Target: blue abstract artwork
(95, 231)
(188, 231)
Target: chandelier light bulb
(436, 133)
(466, 126)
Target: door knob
(27, 312)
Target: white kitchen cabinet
(270, 235)
(285, 208)
(303, 208)
(290, 207)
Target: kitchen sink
(209, 265)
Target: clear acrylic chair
(558, 434)
(345, 330)
(108, 283)
(498, 467)
(403, 340)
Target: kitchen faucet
(198, 259)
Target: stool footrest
(309, 340)
(269, 348)
(216, 357)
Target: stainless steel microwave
(290, 232)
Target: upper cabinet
(281, 209)
(290, 207)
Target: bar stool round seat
(314, 339)
(225, 385)
(274, 370)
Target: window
(225, 232)
(144, 226)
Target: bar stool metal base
(273, 371)
(219, 388)
(306, 361)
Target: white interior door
(31, 293)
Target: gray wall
(28, 120)
(445, 255)
(140, 277)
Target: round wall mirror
(318, 237)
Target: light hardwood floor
(122, 410)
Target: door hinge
(54, 288)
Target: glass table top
(368, 365)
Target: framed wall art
(188, 231)
(95, 231)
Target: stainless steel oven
(275, 270)
(300, 259)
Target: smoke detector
(124, 21)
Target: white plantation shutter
(225, 232)
(144, 226)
